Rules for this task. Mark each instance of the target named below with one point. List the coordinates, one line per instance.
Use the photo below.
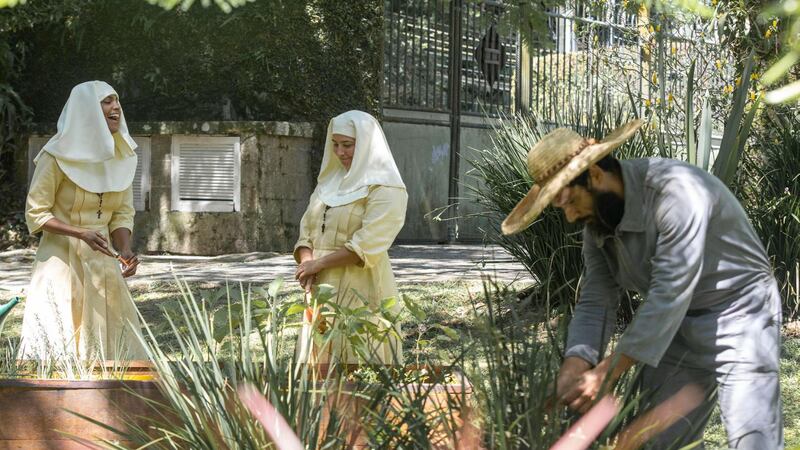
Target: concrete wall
(279, 165)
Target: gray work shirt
(684, 243)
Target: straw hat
(558, 158)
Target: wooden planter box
(35, 410)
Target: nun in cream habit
(353, 216)
(81, 200)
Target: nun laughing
(81, 201)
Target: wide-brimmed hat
(558, 158)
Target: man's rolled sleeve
(595, 314)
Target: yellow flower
(650, 28)
(713, 2)
(752, 95)
(658, 101)
(674, 49)
(774, 23)
(738, 81)
(768, 33)
(670, 98)
(658, 27)
(727, 89)
(753, 76)
(647, 102)
(655, 78)
(718, 64)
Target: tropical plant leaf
(728, 158)
(691, 143)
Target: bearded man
(675, 234)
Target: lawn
(449, 304)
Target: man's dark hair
(608, 164)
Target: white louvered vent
(205, 173)
(141, 181)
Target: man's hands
(585, 389)
(572, 369)
(579, 385)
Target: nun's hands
(130, 263)
(96, 241)
(306, 273)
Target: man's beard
(608, 211)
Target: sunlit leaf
(296, 308)
(784, 94)
(275, 287)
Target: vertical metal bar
(394, 62)
(538, 80)
(427, 55)
(455, 116)
(443, 59)
(562, 60)
(530, 76)
(412, 17)
(435, 49)
(638, 105)
(399, 55)
(396, 52)
(421, 15)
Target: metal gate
(446, 64)
(447, 58)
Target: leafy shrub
(770, 190)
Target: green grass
(444, 303)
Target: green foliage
(737, 129)
(225, 5)
(770, 191)
(266, 60)
(787, 64)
